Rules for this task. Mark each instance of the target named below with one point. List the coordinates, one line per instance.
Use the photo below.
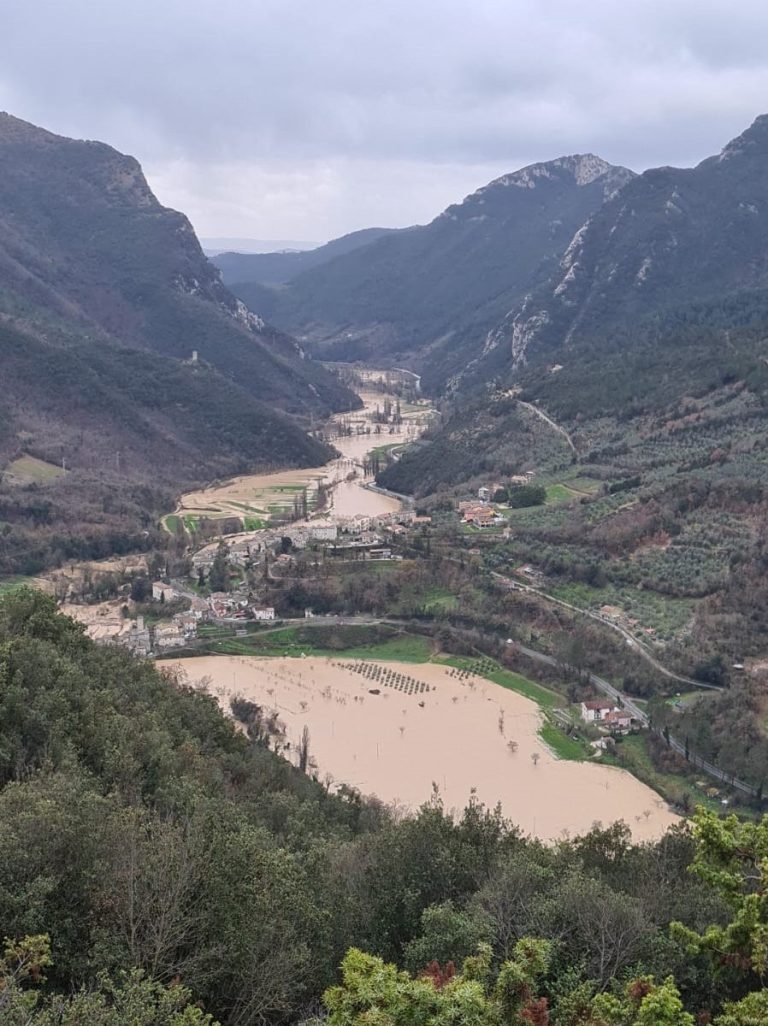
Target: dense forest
(155, 861)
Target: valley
(384, 626)
(339, 490)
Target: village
(486, 508)
(227, 579)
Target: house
(484, 494)
(618, 721)
(169, 637)
(380, 553)
(163, 592)
(323, 532)
(220, 604)
(263, 612)
(186, 623)
(481, 516)
(596, 711)
(198, 607)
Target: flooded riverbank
(401, 729)
(255, 499)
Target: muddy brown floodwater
(433, 728)
(344, 475)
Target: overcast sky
(304, 119)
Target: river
(258, 498)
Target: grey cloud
(255, 113)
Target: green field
(9, 583)
(559, 493)
(440, 600)
(31, 470)
(632, 754)
(406, 648)
(508, 679)
(564, 746)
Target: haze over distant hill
(429, 295)
(104, 297)
(239, 268)
(214, 246)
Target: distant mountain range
(118, 336)
(429, 295)
(279, 267)
(214, 246)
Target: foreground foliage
(155, 862)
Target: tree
(750, 1011)
(448, 935)
(304, 750)
(373, 992)
(133, 1000)
(732, 857)
(218, 577)
(527, 495)
(644, 1003)
(141, 589)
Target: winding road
(553, 424)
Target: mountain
(87, 250)
(671, 237)
(428, 296)
(104, 416)
(633, 388)
(280, 267)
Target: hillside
(96, 442)
(104, 296)
(277, 268)
(428, 296)
(87, 250)
(670, 237)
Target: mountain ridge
(671, 236)
(427, 297)
(85, 239)
(125, 359)
(281, 266)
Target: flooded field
(259, 497)
(397, 729)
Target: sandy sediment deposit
(395, 729)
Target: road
(625, 702)
(638, 646)
(553, 424)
